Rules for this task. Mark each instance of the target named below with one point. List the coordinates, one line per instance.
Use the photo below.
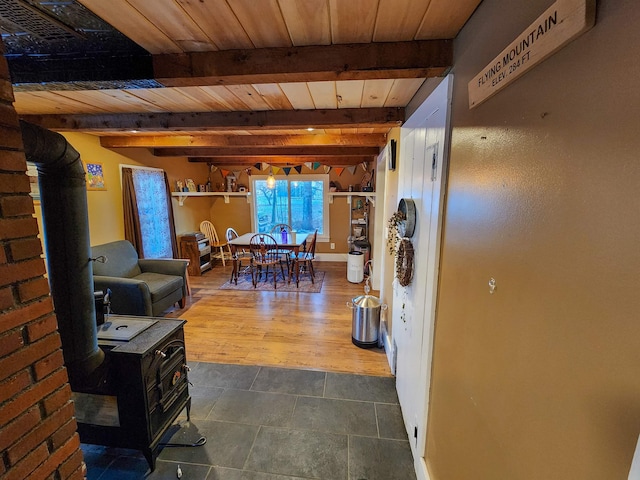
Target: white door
(422, 180)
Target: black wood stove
(129, 377)
(144, 388)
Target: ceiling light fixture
(271, 180)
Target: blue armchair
(138, 286)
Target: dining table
(294, 242)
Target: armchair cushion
(139, 286)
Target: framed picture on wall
(95, 177)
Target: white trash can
(355, 267)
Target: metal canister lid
(366, 301)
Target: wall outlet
(333, 246)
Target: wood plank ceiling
(240, 80)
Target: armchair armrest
(167, 266)
(128, 296)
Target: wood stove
(128, 389)
(144, 388)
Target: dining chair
(209, 231)
(278, 228)
(304, 260)
(278, 231)
(240, 255)
(264, 253)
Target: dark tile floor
(265, 423)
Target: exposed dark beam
(306, 151)
(30, 74)
(283, 161)
(202, 121)
(415, 59)
(262, 141)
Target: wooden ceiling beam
(306, 151)
(223, 121)
(361, 61)
(262, 141)
(283, 161)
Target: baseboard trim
(331, 257)
(388, 346)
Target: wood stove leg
(189, 410)
(150, 454)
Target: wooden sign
(564, 21)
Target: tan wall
(390, 205)
(105, 206)
(540, 380)
(106, 220)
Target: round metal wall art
(408, 208)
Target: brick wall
(38, 438)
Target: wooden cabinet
(195, 247)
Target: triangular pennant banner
(237, 173)
(224, 172)
(339, 170)
(309, 165)
(248, 171)
(258, 166)
(316, 165)
(265, 166)
(276, 170)
(286, 170)
(327, 169)
(298, 169)
(213, 168)
(352, 169)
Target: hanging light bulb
(271, 180)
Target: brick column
(38, 438)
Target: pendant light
(271, 180)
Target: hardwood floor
(298, 330)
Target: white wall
(423, 138)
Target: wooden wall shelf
(182, 196)
(371, 196)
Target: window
(300, 201)
(152, 205)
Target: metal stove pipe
(65, 217)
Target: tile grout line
(324, 387)
(255, 438)
(348, 456)
(256, 377)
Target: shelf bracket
(181, 199)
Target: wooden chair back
(279, 227)
(264, 249)
(231, 234)
(209, 231)
(311, 250)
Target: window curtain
(130, 206)
(148, 213)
